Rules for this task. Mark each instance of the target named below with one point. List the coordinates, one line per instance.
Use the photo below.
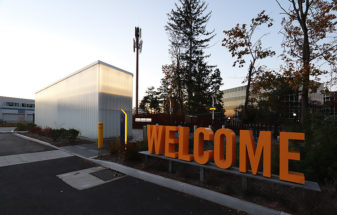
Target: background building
(13, 110)
(96, 93)
(234, 100)
(330, 101)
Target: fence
(205, 120)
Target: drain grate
(106, 174)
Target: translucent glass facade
(81, 100)
(233, 98)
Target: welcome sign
(162, 140)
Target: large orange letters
(285, 155)
(201, 156)
(184, 133)
(156, 138)
(170, 141)
(219, 149)
(163, 140)
(247, 146)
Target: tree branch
(284, 10)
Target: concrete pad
(10, 160)
(82, 179)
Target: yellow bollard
(100, 135)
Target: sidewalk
(88, 150)
(6, 129)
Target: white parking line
(10, 160)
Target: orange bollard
(100, 135)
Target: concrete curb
(202, 193)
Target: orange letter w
(156, 139)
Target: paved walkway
(6, 129)
(10, 144)
(10, 160)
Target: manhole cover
(106, 174)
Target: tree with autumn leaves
(310, 44)
(240, 43)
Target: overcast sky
(42, 41)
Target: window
(27, 105)
(12, 104)
(30, 105)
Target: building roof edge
(82, 69)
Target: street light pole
(213, 109)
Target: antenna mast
(137, 47)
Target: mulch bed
(280, 197)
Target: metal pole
(137, 53)
(170, 106)
(213, 109)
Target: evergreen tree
(150, 102)
(188, 39)
(216, 83)
(171, 89)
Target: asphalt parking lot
(34, 188)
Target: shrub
(24, 126)
(20, 127)
(45, 131)
(143, 145)
(320, 163)
(55, 134)
(71, 134)
(63, 133)
(132, 150)
(114, 146)
(35, 129)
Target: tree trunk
(180, 94)
(248, 86)
(306, 75)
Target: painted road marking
(10, 160)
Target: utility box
(96, 93)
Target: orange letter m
(247, 147)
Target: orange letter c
(201, 134)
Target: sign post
(124, 127)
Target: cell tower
(137, 47)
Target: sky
(42, 41)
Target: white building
(96, 93)
(14, 110)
